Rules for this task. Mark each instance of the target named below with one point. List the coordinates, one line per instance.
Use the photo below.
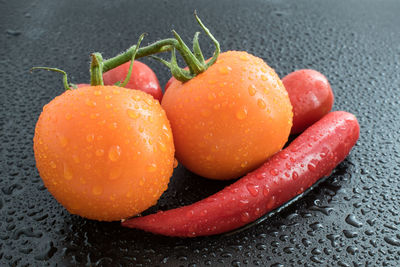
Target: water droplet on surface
(114, 153)
(392, 241)
(352, 220)
(241, 114)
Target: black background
(350, 219)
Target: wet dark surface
(350, 219)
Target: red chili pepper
(311, 156)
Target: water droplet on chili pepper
(274, 172)
(245, 216)
(253, 189)
(295, 175)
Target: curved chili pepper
(311, 156)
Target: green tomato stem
(67, 86)
(96, 70)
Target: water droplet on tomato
(116, 92)
(68, 116)
(151, 167)
(97, 190)
(107, 97)
(133, 114)
(252, 90)
(241, 114)
(295, 175)
(99, 152)
(243, 164)
(244, 57)
(114, 173)
(67, 172)
(76, 159)
(271, 203)
(261, 104)
(114, 153)
(224, 69)
(175, 163)
(90, 103)
(63, 141)
(53, 164)
(212, 96)
(97, 92)
(90, 138)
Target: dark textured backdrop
(351, 219)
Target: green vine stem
(67, 86)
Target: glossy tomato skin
(142, 78)
(311, 96)
(104, 152)
(229, 119)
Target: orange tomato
(229, 119)
(104, 152)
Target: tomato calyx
(194, 60)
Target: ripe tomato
(142, 78)
(311, 97)
(104, 152)
(229, 119)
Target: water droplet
(114, 173)
(53, 164)
(245, 216)
(162, 146)
(90, 103)
(224, 69)
(274, 172)
(252, 90)
(133, 114)
(90, 138)
(212, 96)
(63, 141)
(243, 164)
(392, 241)
(97, 92)
(97, 190)
(116, 92)
(261, 104)
(264, 77)
(352, 220)
(244, 57)
(99, 152)
(295, 175)
(151, 167)
(253, 189)
(175, 163)
(76, 159)
(266, 191)
(68, 116)
(114, 153)
(67, 172)
(107, 97)
(241, 114)
(271, 203)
